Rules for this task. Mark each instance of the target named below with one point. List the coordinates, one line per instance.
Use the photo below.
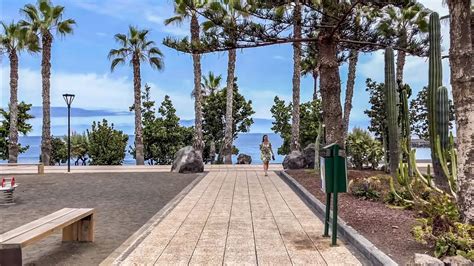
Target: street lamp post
(68, 98)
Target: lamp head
(68, 98)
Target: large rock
(308, 154)
(294, 160)
(425, 260)
(188, 160)
(244, 159)
(457, 261)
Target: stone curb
(122, 252)
(362, 244)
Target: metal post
(68, 138)
(326, 219)
(334, 204)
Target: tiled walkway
(239, 217)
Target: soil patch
(123, 203)
(387, 228)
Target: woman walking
(266, 153)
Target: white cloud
(177, 30)
(279, 57)
(92, 90)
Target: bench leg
(82, 230)
(11, 257)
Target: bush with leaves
(309, 122)
(214, 112)
(23, 128)
(106, 144)
(58, 151)
(163, 136)
(363, 149)
(79, 147)
(441, 228)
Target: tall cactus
(405, 125)
(434, 82)
(391, 107)
(442, 116)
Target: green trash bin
(333, 181)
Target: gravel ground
(387, 228)
(123, 203)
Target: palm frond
(116, 62)
(122, 39)
(174, 20)
(30, 12)
(121, 52)
(65, 27)
(156, 62)
(154, 51)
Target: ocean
(247, 143)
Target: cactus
(405, 125)
(434, 82)
(391, 108)
(442, 116)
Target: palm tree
(43, 19)
(295, 125)
(408, 26)
(185, 9)
(310, 66)
(136, 48)
(461, 81)
(211, 83)
(14, 40)
(230, 11)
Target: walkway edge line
(122, 252)
(362, 244)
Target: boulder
(294, 160)
(457, 261)
(308, 154)
(425, 260)
(188, 160)
(244, 159)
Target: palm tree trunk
(228, 135)
(463, 95)
(13, 131)
(139, 154)
(46, 148)
(198, 139)
(295, 125)
(401, 58)
(353, 57)
(315, 84)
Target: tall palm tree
(408, 26)
(295, 125)
(310, 66)
(136, 48)
(185, 9)
(462, 68)
(14, 40)
(211, 83)
(44, 19)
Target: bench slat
(47, 228)
(30, 226)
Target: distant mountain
(260, 125)
(37, 112)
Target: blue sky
(80, 65)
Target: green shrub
(441, 228)
(363, 149)
(58, 151)
(106, 144)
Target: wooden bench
(39, 165)
(76, 224)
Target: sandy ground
(123, 203)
